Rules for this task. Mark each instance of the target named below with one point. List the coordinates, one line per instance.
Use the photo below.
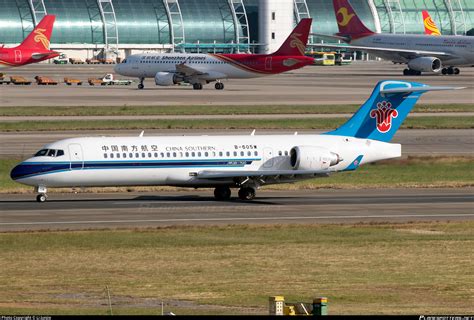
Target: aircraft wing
(377, 49)
(188, 71)
(257, 174)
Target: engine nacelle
(165, 79)
(312, 158)
(425, 64)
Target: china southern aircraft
(199, 69)
(422, 53)
(34, 48)
(246, 162)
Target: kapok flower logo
(383, 115)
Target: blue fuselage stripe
(31, 169)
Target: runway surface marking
(239, 219)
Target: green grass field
(452, 122)
(411, 172)
(413, 268)
(209, 110)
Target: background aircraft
(420, 52)
(199, 69)
(430, 26)
(34, 48)
(225, 162)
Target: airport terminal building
(84, 28)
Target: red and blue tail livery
(383, 113)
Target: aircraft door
(267, 157)
(268, 63)
(76, 156)
(17, 56)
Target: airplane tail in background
(348, 22)
(39, 38)
(383, 113)
(295, 44)
(430, 25)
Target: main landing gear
(450, 71)
(141, 86)
(41, 197)
(224, 193)
(219, 86)
(411, 72)
(197, 86)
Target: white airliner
(422, 53)
(224, 162)
(169, 69)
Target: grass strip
(362, 269)
(452, 122)
(210, 110)
(408, 173)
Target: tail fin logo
(430, 26)
(346, 17)
(297, 43)
(40, 37)
(383, 116)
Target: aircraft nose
(17, 172)
(118, 68)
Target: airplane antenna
(142, 133)
(253, 132)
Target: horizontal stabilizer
(418, 89)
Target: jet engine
(312, 158)
(425, 64)
(166, 79)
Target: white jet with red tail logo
(246, 162)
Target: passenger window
(156, 154)
(118, 155)
(220, 154)
(249, 153)
(286, 153)
(137, 155)
(199, 154)
(193, 154)
(228, 153)
(124, 155)
(168, 155)
(111, 156)
(143, 155)
(105, 155)
(206, 154)
(174, 154)
(187, 154)
(149, 154)
(235, 153)
(130, 155)
(280, 153)
(162, 155)
(242, 153)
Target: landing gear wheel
(41, 198)
(219, 86)
(406, 72)
(444, 71)
(141, 86)
(450, 71)
(247, 194)
(457, 71)
(197, 86)
(411, 72)
(222, 193)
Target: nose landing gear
(41, 197)
(219, 86)
(141, 86)
(247, 193)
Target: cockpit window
(49, 153)
(41, 153)
(124, 61)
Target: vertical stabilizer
(383, 113)
(39, 38)
(430, 26)
(348, 22)
(295, 44)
